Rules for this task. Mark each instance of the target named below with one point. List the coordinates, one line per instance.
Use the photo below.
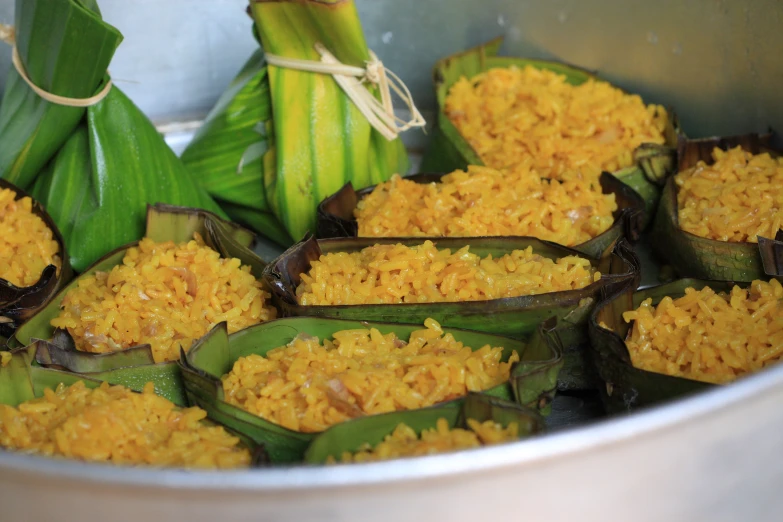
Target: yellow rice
(5, 358)
(384, 274)
(404, 442)
(709, 336)
(737, 199)
(27, 245)
(308, 385)
(487, 202)
(510, 114)
(164, 294)
(113, 424)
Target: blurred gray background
(718, 62)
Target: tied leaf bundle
(94, 169)
(280, 140)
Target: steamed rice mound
(310, 385)
(709, 336)
(27, 245)
(113, 424)
(487, 202)
(509, 114)
(736, 199)
(388, 274)
(403, 441)
(163, 294)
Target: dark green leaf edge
(352, 435)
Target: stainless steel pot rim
(300, 477)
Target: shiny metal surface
(711, 457)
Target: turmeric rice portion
(385, 274)
(736, 199)
(163, 294)
(27, 244)
(709, 336)
(509, 114)
(113, 424)
(310, 385)
(403, 441)
(484, 201)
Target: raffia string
(8, 35)
(380, 113)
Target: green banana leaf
(24, 379)
(695, 256)
(628, 387)
(17, 304)
(513, 316)
(449, 151)
(65, 48)
(135, 364)
(351, 436)
(313, 157)
(336, 213)
(94, 169)
(532, 379)
(263, 223)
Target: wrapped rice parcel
(54, 413)
(283, 382)
(669, 341)
(496, 111)
(287, 133)
(481, 420)
(720, 216)
(75, 141)
(142, 304)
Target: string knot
(8, 35)
(353, 80)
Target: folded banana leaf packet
(359, 434)
(644, 168)
(139, 363)
(261, 154)
(700, 256)
(34, 278)
(212, 365)
(93, 168)
(628, 387)
(336, 217)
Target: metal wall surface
(718, 62)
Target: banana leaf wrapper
(336, 213)
(449, 151)
(24, 378)
(532, 383)
(94, 169)
(627, 387)
(311, 156)
(226, 156)
(351, 436)
(17, 304)
(164, 223)
(695, 256)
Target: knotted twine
(379, 113)
(8, 35)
